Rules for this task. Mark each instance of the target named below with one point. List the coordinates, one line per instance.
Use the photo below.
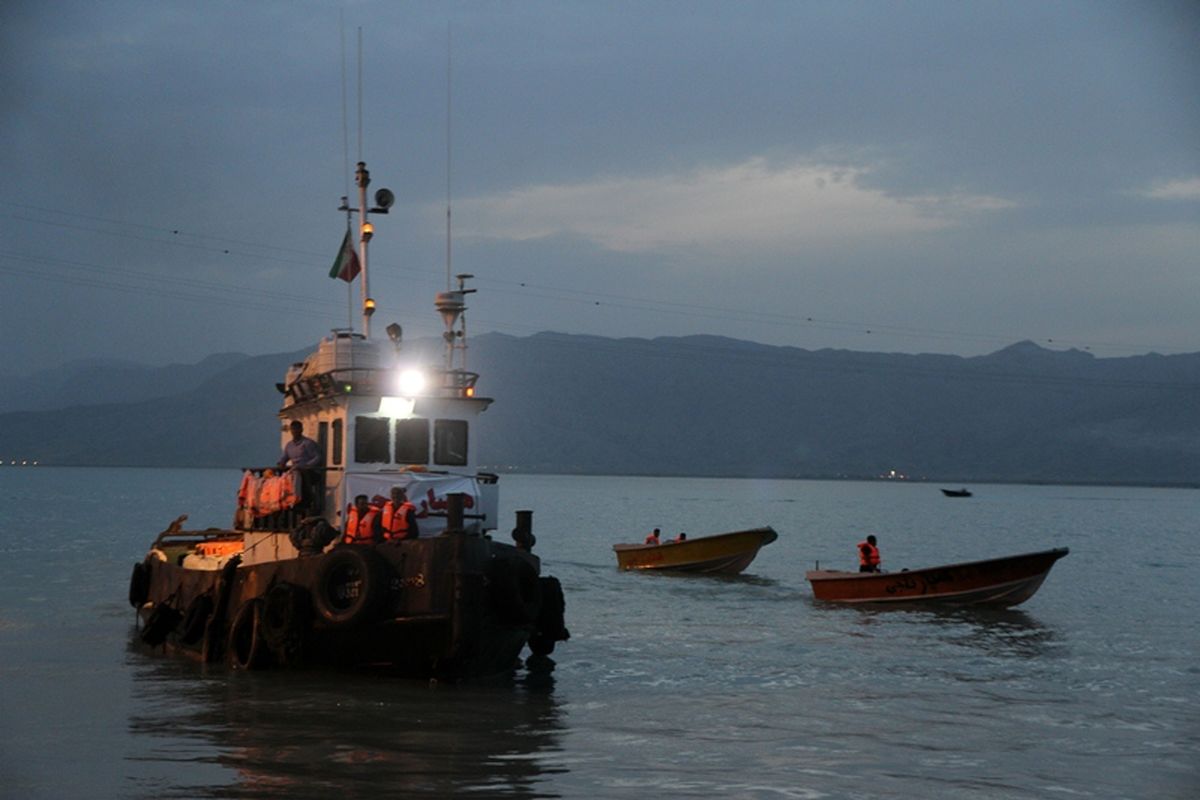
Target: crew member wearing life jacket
(362, 523)
(868, 555)
(652, 537)
(399, 517)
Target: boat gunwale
(1006, 589)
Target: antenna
(346, 157)
(449, 150)
(360, 96)
(345, 112)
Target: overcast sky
(916, 177)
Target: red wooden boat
(1000, 582)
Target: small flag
(346, 265)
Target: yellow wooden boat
(723, 553)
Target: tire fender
(514, 590)
(286, 621)
(350, 585)
(195, 619)
(247, 646)
(139, 584)
(550, 626)
(159, 625)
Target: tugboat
(304, 577)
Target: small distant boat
(956, 492)
(999, 582)
(722, 554)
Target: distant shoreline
(923, 481)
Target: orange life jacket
(269, 495)
(395, 520)
(360, 530)
(247, 489)
(652, 539)
(289, 489)
(868, 555)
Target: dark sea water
(680, 686)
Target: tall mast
(383, 201)
(366, 230)
(383, 198)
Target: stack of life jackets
(260, 496)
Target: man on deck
(304, 455)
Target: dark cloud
(146, 146)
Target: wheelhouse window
(335, 445)
(450, 442)
(412, 441)
(371, 440)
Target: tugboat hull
(451, 606)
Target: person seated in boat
(682, 537)
(363, 525)
(303, 454)
(652, 537)
(399, 520)
(868, 555)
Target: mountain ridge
(696, 405)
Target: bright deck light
(410, 382)
(396, 407)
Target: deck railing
(372, 381)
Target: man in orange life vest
(362, 523)
(868, 555)
(652, 537)
(399, 516)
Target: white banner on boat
(425, 491)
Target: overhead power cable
(587, 298)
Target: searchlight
(410, 382)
